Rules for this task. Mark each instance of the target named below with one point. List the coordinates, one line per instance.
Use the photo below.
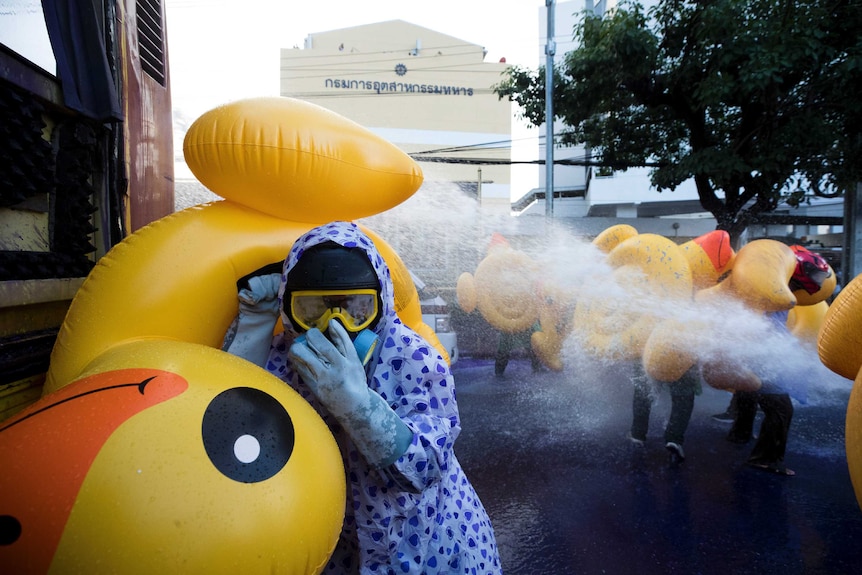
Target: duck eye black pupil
(243, 421)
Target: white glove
(250, 334)
(334, 373)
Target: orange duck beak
(47, 450)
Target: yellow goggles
(356, 308)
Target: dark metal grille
(151, 38)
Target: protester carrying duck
(388, 397)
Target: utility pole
(550, 50)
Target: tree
(756, 100)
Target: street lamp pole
(550, 50)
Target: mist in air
(443, 231)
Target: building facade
(428, 93)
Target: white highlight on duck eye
(246, 448)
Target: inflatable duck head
(194, 460)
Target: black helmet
(332, 266)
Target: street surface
(567, 493)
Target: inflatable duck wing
(611, 237)
(154, 451)
(285, 166)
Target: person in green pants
(510, 341)
(682, 393)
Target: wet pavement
(567, 493)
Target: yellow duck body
(140, 456)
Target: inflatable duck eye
(247, 434)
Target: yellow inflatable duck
(648, 265)
(839, 345)
(764, 276)
(811, 293)
(508, 291)
(152, 451)
(668, 351)
(204, 464)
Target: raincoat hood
(418, 514)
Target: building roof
(380, 35)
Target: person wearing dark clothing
(682, 394)
(729, 414)
(773, 399)
(511, 341)
(768, 452)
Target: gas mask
(331, 281)
(355, 309)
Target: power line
(470, 147)
(345, 68)
(496, 162)
(490, 145)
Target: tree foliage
(756, 100)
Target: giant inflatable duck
(840, 348)
(650, 266)
(512, 295)
(765, 277)
(152, 451)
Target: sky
(223, 50)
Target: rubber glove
(335, 374)
(250, 334)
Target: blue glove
(334, 373)
(250, 334)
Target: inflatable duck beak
(61, 435)
(710, 256)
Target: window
(23, 30)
